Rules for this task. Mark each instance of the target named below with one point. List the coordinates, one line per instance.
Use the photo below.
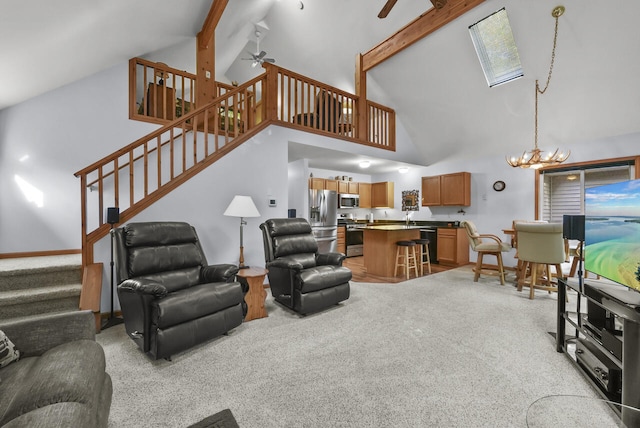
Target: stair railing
(139, 174)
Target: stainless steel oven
(354, 241)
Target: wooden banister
(137, 175)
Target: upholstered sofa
(300, 277)
(171, 299)
(59, 379)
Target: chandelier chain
(546, 86)
(536, 158)
(553, 58)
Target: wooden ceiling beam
(211, 22)
(416, 30)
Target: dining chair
(486, 244)
(540, 246)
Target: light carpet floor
(437, 351)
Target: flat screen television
(612, 232)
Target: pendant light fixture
(536, 158)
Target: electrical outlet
(207, 74)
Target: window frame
(632, 160)
(482, 42)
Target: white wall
(71, 127)
(67, 129)
(258, 168)
(61, 131)
(491, 211)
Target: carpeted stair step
(37, 285)
(39, 300)
(25, 278)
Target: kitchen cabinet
(323, 184)
(316, 183)
(364, 190)
(331, 184)
(353, 187)
(447, 190)
(343, 186)
(431, 191)
(453, 246)
(342, 241)
(382, 194)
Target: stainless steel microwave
(348, 201)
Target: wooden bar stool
(407, 251)
(423, 253)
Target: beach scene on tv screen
(612, 232)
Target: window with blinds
(496, 48)
(563, 192)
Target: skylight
(496, 48)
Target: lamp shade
(242, 206)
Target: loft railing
(139, 174)
(160, 94)
(317, 107)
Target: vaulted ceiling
(436, 85)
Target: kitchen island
(380, 246)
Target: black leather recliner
(171, 299)
(299, 277)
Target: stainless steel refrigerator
(323, 217)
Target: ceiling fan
(259, 57)
(438, 4)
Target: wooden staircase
(32, 286)
(141, 173)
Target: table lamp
(242, 206)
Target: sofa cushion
(62, 415)
(12, 380)
(66, 373)
(321, 277)
(8, 351)
(195, 302)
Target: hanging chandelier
(536, 158)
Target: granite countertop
(392, 227)
(419, 224)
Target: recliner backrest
(168, 252)
(289, 238)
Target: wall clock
(499, 186)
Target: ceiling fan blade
(270, 60)
(260, 55)
(387, 8)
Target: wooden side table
(255, 297)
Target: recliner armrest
(285, 264)
(219, 272)
(144, 286)
(334, 259)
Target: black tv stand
(606, 343)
